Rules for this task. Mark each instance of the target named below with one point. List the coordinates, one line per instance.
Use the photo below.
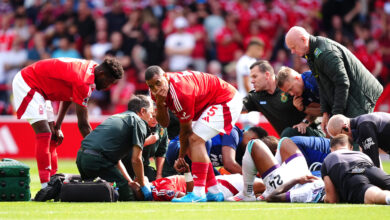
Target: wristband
(188, 177)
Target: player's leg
(375, 195)
(257, 157)
(53, 159)
(42, 150)
(293, 157)
(30, 105)
(53, 145)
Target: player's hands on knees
(180, 165)
(301, 127)
(58, 137)
(307, 179)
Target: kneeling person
(102, 150)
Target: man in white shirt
(254, 51)
(179, 46)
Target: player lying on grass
(177, 186)
(351, 176)
(259, 158)
(224, 150)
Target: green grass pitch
(167, 210)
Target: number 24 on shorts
(275, 181)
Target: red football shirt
(62, 79)
(191, 92)
(165, 189)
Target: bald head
(297, 39)
(337, 124)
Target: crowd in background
(205, 35)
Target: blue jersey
(232, 140)
(315, 149)
(310, 93)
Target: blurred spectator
(179, 46)
(116, 18)
(85, 23)
(66, 48)
(99, 49)
(228, 40)
(213, 23)
(215, 68)
(37, 49)
(253, 52)
(199, 33)
(21, 27)
(154, 45)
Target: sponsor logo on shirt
(368, 143)
(185, 116)
(161, 132)
(317, 52)
(283, 97)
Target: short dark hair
(260, 132)
(151, 71)
(263, 65)
(137, 102)
(112, 67)
(340, 139)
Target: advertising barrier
(17, 138)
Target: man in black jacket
(346, 86)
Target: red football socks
(53, 159)
(199, 173)
(211, 182)
(42, 148)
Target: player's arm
(82, 120)
(369, 142)
(229, 160)
(136, 161)
(55, 128)
(313, 109)
(279, 194)
(162, 115)
(123, 170)
(159, 166)
(335, 69)
(185, 132)
(187, 174)
(331, 195)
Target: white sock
(199, 190)
(44, 185)
(248, 173)
(387, 199)
(213, 189)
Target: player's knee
(195, 140)
(372, 194)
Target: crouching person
(102, 150)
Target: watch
(306, 121)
